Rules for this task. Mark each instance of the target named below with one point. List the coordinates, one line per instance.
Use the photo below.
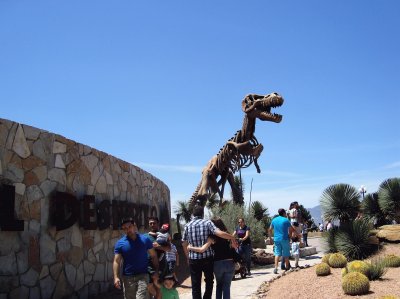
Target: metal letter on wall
(7, 214)
(66, 208)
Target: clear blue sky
(160, 83)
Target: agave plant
(352, 239)
(389, 198)
(340, 202)
(371, 209)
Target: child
(163, 235)
(296, 250)
(167, 288)
(172, 259)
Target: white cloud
(393, 165)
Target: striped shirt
(171, 255)
(196, 234)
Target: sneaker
(275, 271)
(249, 273)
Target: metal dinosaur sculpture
(240, 151)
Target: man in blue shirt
(132, 249)
(282, 230)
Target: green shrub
(392, 260)
(230, 214)
(352, 239)
(337, 260)
(377, 268)
(355, 283)
(358, 266)
(325, 258)
(329, 240)
(322, 269)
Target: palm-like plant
(305, 214)
(389, 198)
(340, 202)
(258, 210)
(183, 210)
(371, 209)
(260, 213)
(212, 201)
(352, 239)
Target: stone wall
(39, 261)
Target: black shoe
(249, 273)
(275, 271)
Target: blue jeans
(197, 268)
(245, 252)
(223, 271)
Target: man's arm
(177, 257)
(163, 247)
(154, 259)
(185, 249)
(292, 231)
(223, 235)
(116, 267)
(270, 234)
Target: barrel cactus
(322, 269)
(344, 271)
(392, 260)
(358, 266)
(355, 283)
(337, 260)
(325, 258)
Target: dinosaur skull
(259, 106)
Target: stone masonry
(41, 262)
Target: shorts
(282, 248)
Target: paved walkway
(245, 288)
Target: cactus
(325, 258)
(337, 260)
(344, 271)
(355, 283)
(322, 269)
(358, 266)
(392, 260)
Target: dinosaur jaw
(260, 107)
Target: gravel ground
(306, 284)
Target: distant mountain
(316, 214)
